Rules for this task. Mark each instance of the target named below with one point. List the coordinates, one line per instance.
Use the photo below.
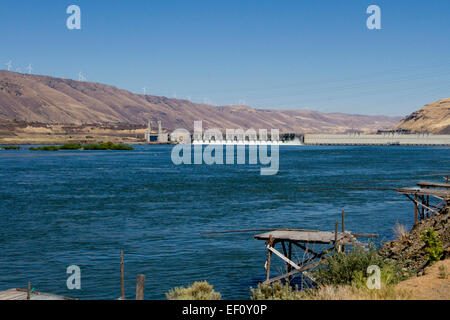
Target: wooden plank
(293, 272)
(21, 294)
(285, 259)
(324, 237)
(439, 193)
(426, 184)
(424, 206)
(6, 293)
(13, 294)
(365, 235)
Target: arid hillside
(43, 99)
(433, 118)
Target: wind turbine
(145, 90)
(81, 77)
(9, 64)
(29, 68)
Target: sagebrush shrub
(197, 291)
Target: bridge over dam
(422, 139)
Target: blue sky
(316, 55)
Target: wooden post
(335, 235)
(343, 227)
(290, 257)
(415, 209)
(29, 291)
(140, 285)
(122, 282)
(269, 253)
(422, 215)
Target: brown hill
(433, 118)
(43, 99)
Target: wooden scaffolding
(302, 239)
(420, 196)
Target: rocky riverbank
(410, 249)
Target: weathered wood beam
(291, 273)
(281, 256)
(140, 286)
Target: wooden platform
(420, 196)
(306, 236)
(432, 184)
(440, 193)
(21, 294)
(305, 240)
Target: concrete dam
(250, 137)
(420, 139)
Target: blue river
(83, 207)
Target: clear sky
(315, 54)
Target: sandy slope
(434, 118)
(429, 286)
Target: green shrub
(351, 268)
(275, 291)
(10, 148)
(70, 146)
(45, 148)
(74, 146)
(433, 246)
(198, 291)
(107, 146)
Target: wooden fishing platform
(307, 236)
(22, 294)
(303, 239)
(431, 184)
(420, 196)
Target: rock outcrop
(410, 249)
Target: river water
(82, 207)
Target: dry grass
(278, 291)
(198, 291)
(399, 230)
(443, 273)
(354, 293)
